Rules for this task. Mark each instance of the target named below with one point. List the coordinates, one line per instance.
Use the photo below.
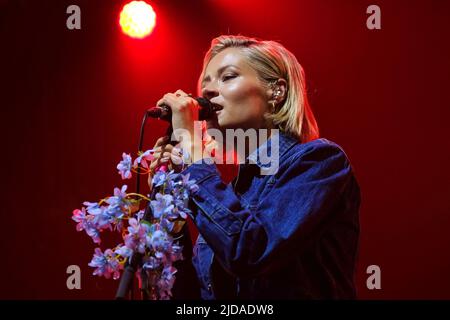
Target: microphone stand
(133, 263)
(126, 280)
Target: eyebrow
(221, 69)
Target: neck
(242, 152)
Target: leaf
(178, 225)
(134, 205)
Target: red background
(72, 102)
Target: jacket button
(209, 287)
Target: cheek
(243, 95)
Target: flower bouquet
(155, 238)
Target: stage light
(137, 19)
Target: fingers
(161, 141)
(161, 145)
(158, 145)
(181, 93)
(171, 98)
(165, 154)
(167, 99)
(161, 155)
(176, 157)
(158, 151)
(178, 100)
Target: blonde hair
(272, 61)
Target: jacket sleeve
(295, 208)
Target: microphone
(206, 110)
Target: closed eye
(228, 77)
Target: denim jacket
(289, 235)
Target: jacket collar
(274, 147)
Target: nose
(210, 91)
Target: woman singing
(287, 233)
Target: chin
(223, 124)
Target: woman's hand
(165, 153)
(184, 109)
(184, 117)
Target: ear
(277, 92)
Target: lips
(216, 107)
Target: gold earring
(273, 106)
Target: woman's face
(230, 82)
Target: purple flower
(143, 158)
(159, 241)
(166, 224)
(94, 233)
(181, 209)
(189, 184)
(118, 200)
(102, 219)
(136, 238)
(124, 166)
(92, 207)
(80, 217)
(162, 205)
(140, 215)
(124, 251)
(86, 222)
(114, 213)
(105, 263)
(176, 253)
(165, 283)
(162, 177)
(151, 263)
(159, 178)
